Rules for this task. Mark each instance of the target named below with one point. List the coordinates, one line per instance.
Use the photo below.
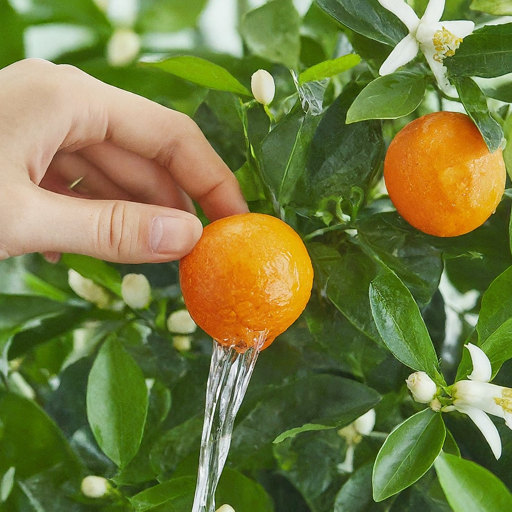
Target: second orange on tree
(441, 176)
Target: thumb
(119, 231)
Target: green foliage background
(103, 391)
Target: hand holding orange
(249, 276)
(441, 176)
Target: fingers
(119, 231)
(143, 179)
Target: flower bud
(123, 47)
(225, 508)
(181, 322)
(365, 423)
(95, 486)
(88, 290)
(422, 387)
(263, 87)
(136, 290)
(182, 342)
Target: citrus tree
(377, 398)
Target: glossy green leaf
(11, 28)
(346, 278)
(329, 68)
(400, 324)
(16, 310)
(367, 18)
(175, 495)
(498, 346)
(169, 15)
(475, 104)
(356, 493)
(272, 32)
(6, 484)
(343, 156)
(117, 402)
(408, 453)
(470, 487)
(290, 434)
(31, 442)
(97, 270)
(284, 152)
(496, 306)
(389, 97)
(201, 72)
(487, 53)
(342, 402)
(496, 7)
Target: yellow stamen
(505, 402)
(445, 44)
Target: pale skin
(90, 169)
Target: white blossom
(95, 486)
(225, 508)
(422, 387)
(365, 423)
(477, 398)
(436, 39)
(88, 290)
(136, 290)
(263, 87)
(123, 47)
(180, 322)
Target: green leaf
(475, 104)
(11, 28)
(272, 32)
(97, 270)
(201, 72)
(404, 250)
(487, 53)
(343, 156)
(400, 324)
(356, 493)
(176, 495)
(117, 402)
(408, 453)
(169, 15)
(251, 184)
(342, 402)
(498, 346)
(496, 306)
(496, 7)
(470, 487)
(329, 68)
(290, 434)
(284, 151)
(345, 276)
(17, 310)
(31, 442)
(367, 18)
(389, 97)
(6, 484)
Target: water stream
(230, 373)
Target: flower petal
(433, 12)
(403, 53)
(482, 371)
(483, 395)
(485, 425)
(459, 28)
(437, 68)
(403, 11)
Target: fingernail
(174, 235)
(52, 257)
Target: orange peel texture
(248, 277)
(441, 176)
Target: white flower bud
(225, 508)
(365, 423)
(182, 342)
(181, 322)
(136, 290)
(263, 87)
(436, 405)
(422, 387)
(95, 486)
(350, 434)
(88, 289)
(123, 47)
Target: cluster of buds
(181, 324)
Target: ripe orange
(441, 176)
(248, 277)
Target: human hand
(134, 164)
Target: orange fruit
(441, 176)
(248, 278)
